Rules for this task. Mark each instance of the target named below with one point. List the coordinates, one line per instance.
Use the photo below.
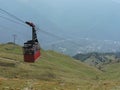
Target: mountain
(98, 59)
(84, 45)
(51, 70)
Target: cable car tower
(31, 48)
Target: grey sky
(74, 19)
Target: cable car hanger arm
(30, 24)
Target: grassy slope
(51, 63)
(53, 71)
(112, 71)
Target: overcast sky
(71, 19)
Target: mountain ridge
(98, 59)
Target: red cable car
(31, 48)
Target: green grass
(52, 71)
(49, 63)
(112, 71)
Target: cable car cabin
(31, 48)
(31, 51)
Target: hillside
(112, 71)
(98, 59)
(51, 66)
(52, 71)
(51, 62)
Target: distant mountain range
(84, 45)
(98, 59)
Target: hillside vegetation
(98, 59)
(52, 71)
